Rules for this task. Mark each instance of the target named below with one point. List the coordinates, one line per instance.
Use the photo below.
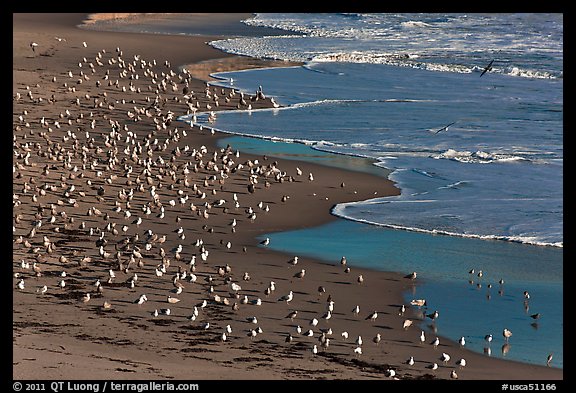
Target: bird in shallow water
(507, 334)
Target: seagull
(433, 366)
(141, 299)
(288, 298)
(33, 45)
(461, 363)
(453, 374)
(422, 337)
(487, 68)
(436, 342)
(433, 316)
(549, 359)
(418, 302)
(407, 323)
(292, 315)
(445, 128)
(359, 341)
(252, 319)
(314, 349)
(410, 361)
(360, 279)
(488, 338)
(264, 242)
(462, 341)
(402, 310)
(377, 338)
(390, 373)
(372, 316)
(356, 310)
(412, 276)
(445, 357)
(358, 351)
(507, 334)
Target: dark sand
(58, 336)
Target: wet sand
(77, 173)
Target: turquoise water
(443, 264)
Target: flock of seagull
(112, 162)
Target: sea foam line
(338, 212)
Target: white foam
(338, 211)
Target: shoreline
(309, 205)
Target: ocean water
(384, 87)
(484, 193)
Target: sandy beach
(119, 211)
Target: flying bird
(487, 68)
(445, 128)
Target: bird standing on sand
(453, 374)
(407, 323)
(288, 298)
(422, 337)
(360, 279)
(445, 357)
(402, 310)
(292, 315)
(461, 363)
(372, 316)
(33, 45)
(549, 359)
